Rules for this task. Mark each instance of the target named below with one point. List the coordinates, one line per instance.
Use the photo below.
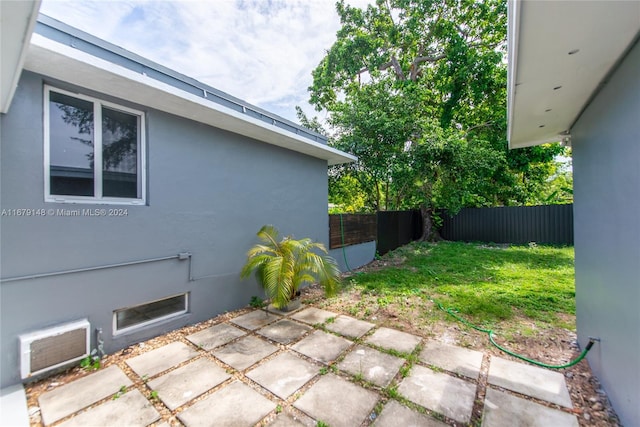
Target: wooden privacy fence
(358, 228)
(391, 229)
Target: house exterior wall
(606, 165)
(208, 193)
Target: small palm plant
(282, 267)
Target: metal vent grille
(55, 347)
(52, 351)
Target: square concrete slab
(287, 420)
(255, 319)
(322, 346)
(245, 352)
(503, 410)
(130, 409)
(284, 331)
(349, 327)
(394, 414)
(372, 365)
(179, 386)
(452, 358)
(74, 396)
(394, 340)
(216, 336)
(234, 405)
(530, 380)
(439, 392)
(284, 374)
(161, 359)
(337, 402)
(313, 315)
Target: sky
(261, 51)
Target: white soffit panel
(564, 50)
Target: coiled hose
(489, 332)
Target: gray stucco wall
(606, 167)
(209, 191)
(357, 255)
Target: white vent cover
(48, 349)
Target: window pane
(119, 154)
(148, 312)
(71, 145)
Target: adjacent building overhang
(560, 53)
(17, 19)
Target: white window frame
(151, 322)
(97, 198)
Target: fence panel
(518, 224)
(358, 228)
(397, 228)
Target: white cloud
(261, 51)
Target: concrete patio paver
(439, 392)
(245, 352)
(313, 315)
(503, 410)
(284, 374)
(189, 381)
(372, 365)
(284, 331)
(337, 402)
(130, 409)
(394, 340)
(155, 361)
(349, 327)
(79, 394)
(394, 414)
(234, 405)
(255, 319)
(460, 360)
(322, 346)
(530, 380)
(216, 336)
(286, 420)
(179, 386)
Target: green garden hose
(344, 252)
(498, 346)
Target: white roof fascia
(68, 64)
(17, 21)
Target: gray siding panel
(606, 163)
(209, 191)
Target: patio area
(310, 367)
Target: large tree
(417, 90)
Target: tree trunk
(429, 232)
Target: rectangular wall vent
(51, 348)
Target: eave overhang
(17, 19)
(63, 53)
(560, 54)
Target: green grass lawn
(486, 283)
